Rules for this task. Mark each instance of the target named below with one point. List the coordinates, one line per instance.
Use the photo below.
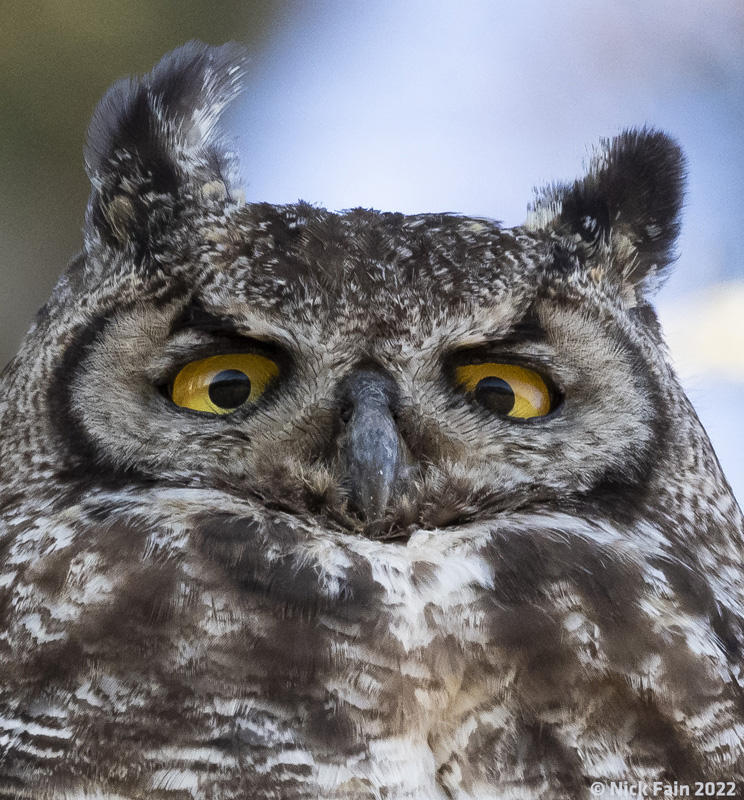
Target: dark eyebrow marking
(196, 317)
(528, 329)
(223, 334)
(498, 344)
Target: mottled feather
(200, 606)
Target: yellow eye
(220, 384)
(506, 389)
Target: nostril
(365, 386)
(345, 412)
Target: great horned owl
(297, 504)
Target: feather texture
(203, 605)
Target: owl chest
(355, 691)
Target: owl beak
(373, 445)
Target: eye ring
(221, 384)
(508, 390)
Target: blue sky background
(443, 106)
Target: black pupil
(229, 388)
(495, 394)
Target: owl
(299, 504)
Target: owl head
(378, 371)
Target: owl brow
(527, 331)
(196, 318)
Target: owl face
(322, 483)
(318, 312)
(370, 372)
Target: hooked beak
(374, 449)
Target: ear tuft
(628, 203)
(153, 141)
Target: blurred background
(410, 105)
